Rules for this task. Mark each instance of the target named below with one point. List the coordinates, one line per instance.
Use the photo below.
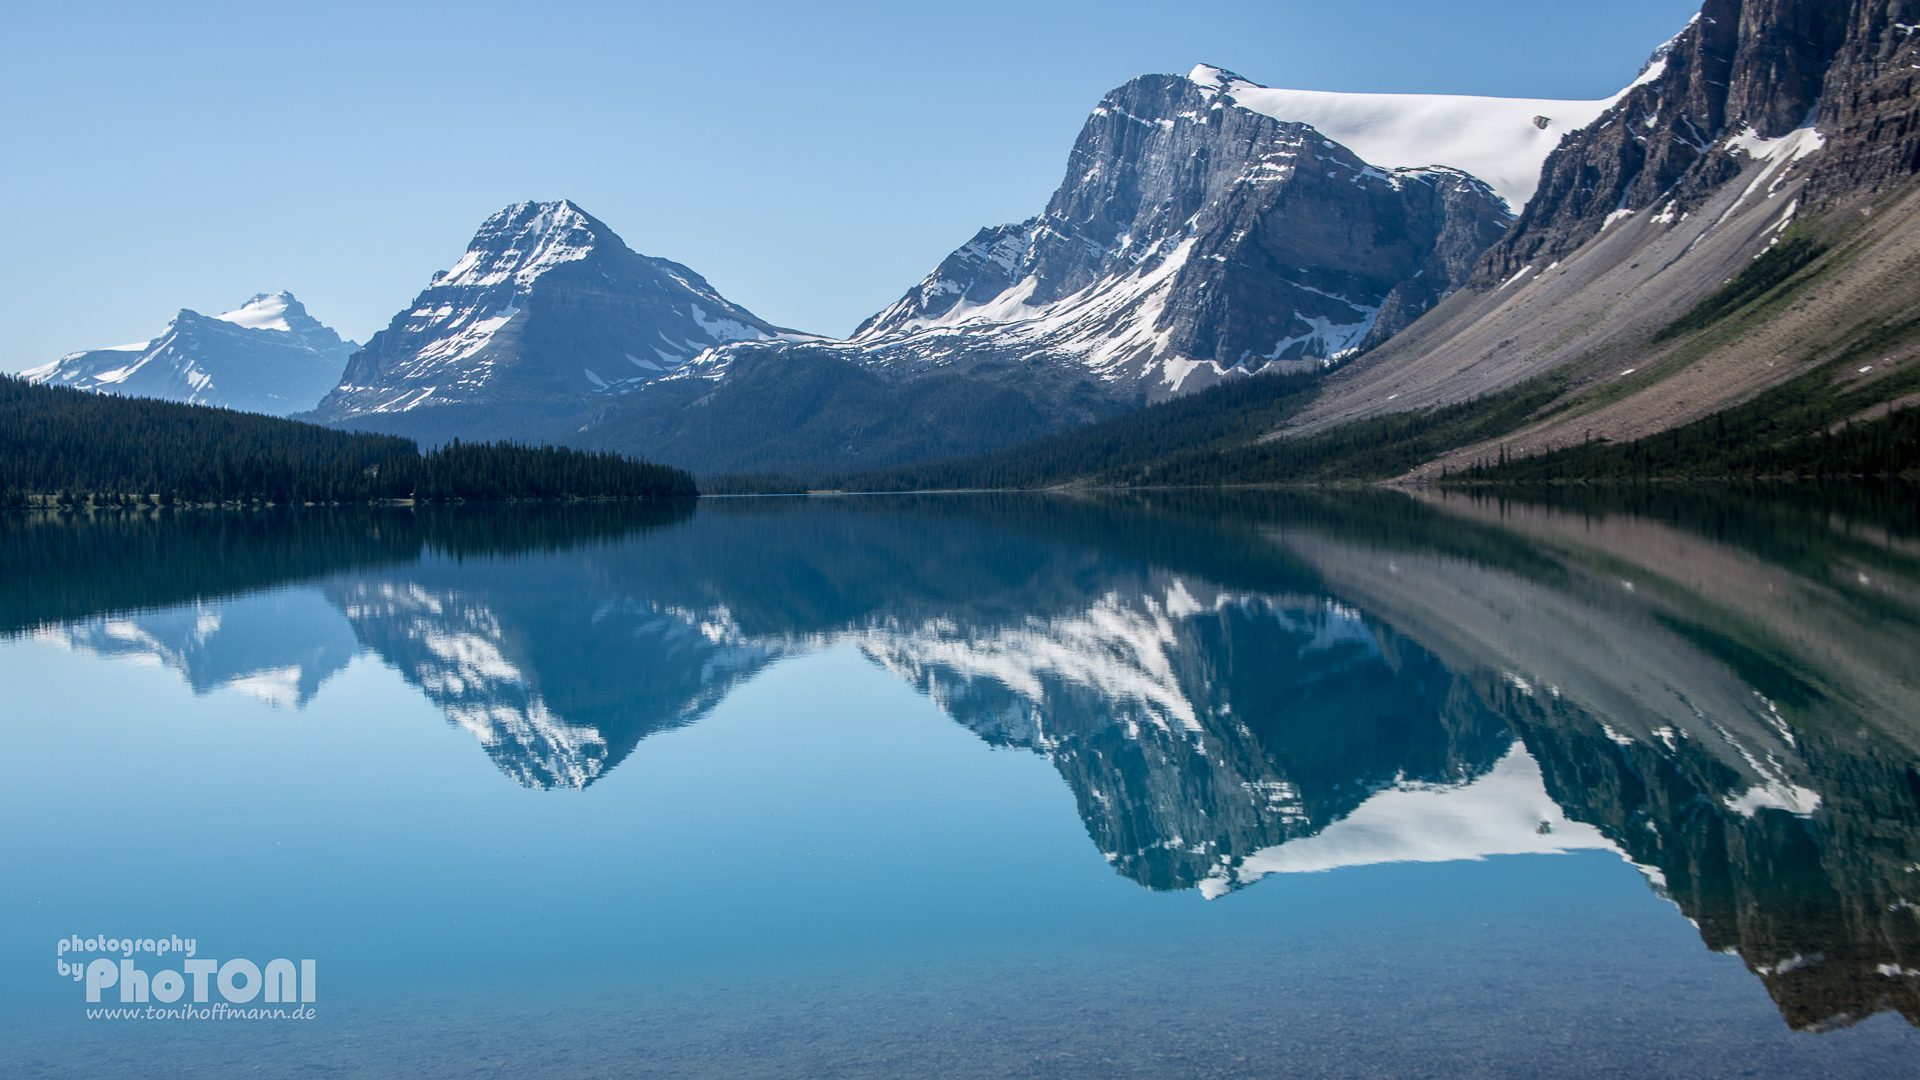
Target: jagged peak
(522, 241)
(541, 216)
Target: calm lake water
(1298, 784)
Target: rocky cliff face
(1192, 237)
(1742, 73)
(1869, 111)
(547, 309)
(267, 356)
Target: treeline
(1716, 449)
(60, 567)
(506, 470)
(1377, 448)
(72, 447)
(1209, 439)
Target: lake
(1358, 783)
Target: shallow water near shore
(1279, 784)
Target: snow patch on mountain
(1111, 326)
(265, 311)
(521, 246)
(1496, 139)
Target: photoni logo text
(238, 981)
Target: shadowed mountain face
(1232, 688)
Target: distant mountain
(276, 646)
(266, 356)
(547, 311)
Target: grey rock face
(548, 308)
(1869, 111)
(1193, 238)
(1753, 68)
(267, 356)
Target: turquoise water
(1283, 785)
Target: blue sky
(812, 161)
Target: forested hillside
(1222, 416)
(1215, 437)
(71, 446)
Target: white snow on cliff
(1496, 139)
(263, 312)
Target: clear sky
(813, 161)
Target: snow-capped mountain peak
(547, 309)
(522, 242)
(1190, 242)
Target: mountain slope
(1769, 123)
(547, 310)
(267, 356)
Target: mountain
(266, 356)
(1201, 233)
(1743, 222)
(1197, 234)
(1300, 250)
(547, 311)
(1205, 229)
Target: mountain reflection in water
(1718, 686)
